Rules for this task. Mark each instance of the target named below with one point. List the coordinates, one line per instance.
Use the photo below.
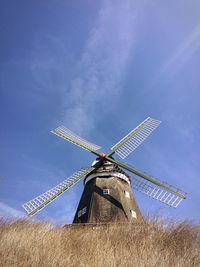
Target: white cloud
(180, 57)
(10, 213)
(96, 83)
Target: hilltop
(33, 244)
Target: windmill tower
(107, 197)
(107, 194)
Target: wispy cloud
(177, 96)
(10, 213)
(180, 57)
(101, 67)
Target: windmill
(107, 194)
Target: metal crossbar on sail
(137, 136)
(156, 192)
(38, 203)
(65, 133)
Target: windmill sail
(158, 193)
(68, 135)
(136, 137)
(153, 187)
(38, 203)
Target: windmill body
(107, 197)
(107, 194)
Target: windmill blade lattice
(153, 187)
(68, 135)
(158, 193)
(136, 137)
(38, 203)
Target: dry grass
(152, 244)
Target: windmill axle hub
(102, 156)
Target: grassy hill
(26, 244)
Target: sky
(99, 68)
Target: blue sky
(99, 68)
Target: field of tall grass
(154, 243)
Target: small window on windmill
(79, 213)
(127, 194)
(82, 211)
(106, 191)
(133, 214)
